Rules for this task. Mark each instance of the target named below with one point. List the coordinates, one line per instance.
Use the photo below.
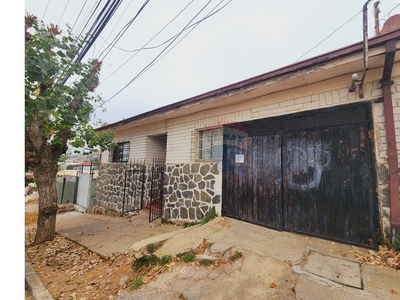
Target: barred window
(210, 145)
(121, 152)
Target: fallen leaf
(273, 285)
(393, 292)
(370, 284)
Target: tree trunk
(45, 177)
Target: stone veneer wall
(191, 190)
(110, 187)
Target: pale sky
(244, 39)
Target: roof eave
(326, 57)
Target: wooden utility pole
(376, 15)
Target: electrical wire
(148, 41)
(154, 47)
(208, 15)
(77, 18)
(389, 12)
(45, 10)
(86, 16)
(329, 36)
(122, 32)
(148, 65)
(63, 12)
(100, 22)
(112, 30)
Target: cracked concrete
(272, 265)
(275, 265)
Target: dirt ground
(69, 271)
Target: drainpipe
(391, 139)
(365, 50)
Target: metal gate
(157, 189)
(304, 173)
(134, 187)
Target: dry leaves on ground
(383, 257)
(70, 271)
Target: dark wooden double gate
(310, 174)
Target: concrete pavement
(275, 265)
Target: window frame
(215, 144)
(121, 152)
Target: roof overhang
(333, 64)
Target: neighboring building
(295, 149)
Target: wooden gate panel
(328, 188)
(252, 189)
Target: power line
(100, 22)
(63, 12)
(87, 13)
(389, 12)
(84, 4)
(45, 10)
(163, 43)
(196, 24)
(148, 41)
(123, 30)
(149, 65)
(329, 36)
(112, 30)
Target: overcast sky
(244, 39)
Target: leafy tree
(56, 113)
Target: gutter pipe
(386, 83)
(365, 48)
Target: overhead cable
(162, 29)
(328, 36)
(148, 65)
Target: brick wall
(183, 131)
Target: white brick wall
(156, 147)
(183, 131)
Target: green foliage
(205, 262)
(164, 260)
(151, 248)
(137, 283)
(211, 214)
(55, 112)
(188, 257)
(396, 245)
(29, 180)
(145, 261)
(236, 255)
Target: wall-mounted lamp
(354, 79)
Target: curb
(33, 284)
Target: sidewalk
(275, 265)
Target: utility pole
(376, 15)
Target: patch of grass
(209, 244)
(164, 260)
(145, 261)
(205, 262)
(137, 283)
(151, 248)
(236, 255)
(211, 214)
(188, 257)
